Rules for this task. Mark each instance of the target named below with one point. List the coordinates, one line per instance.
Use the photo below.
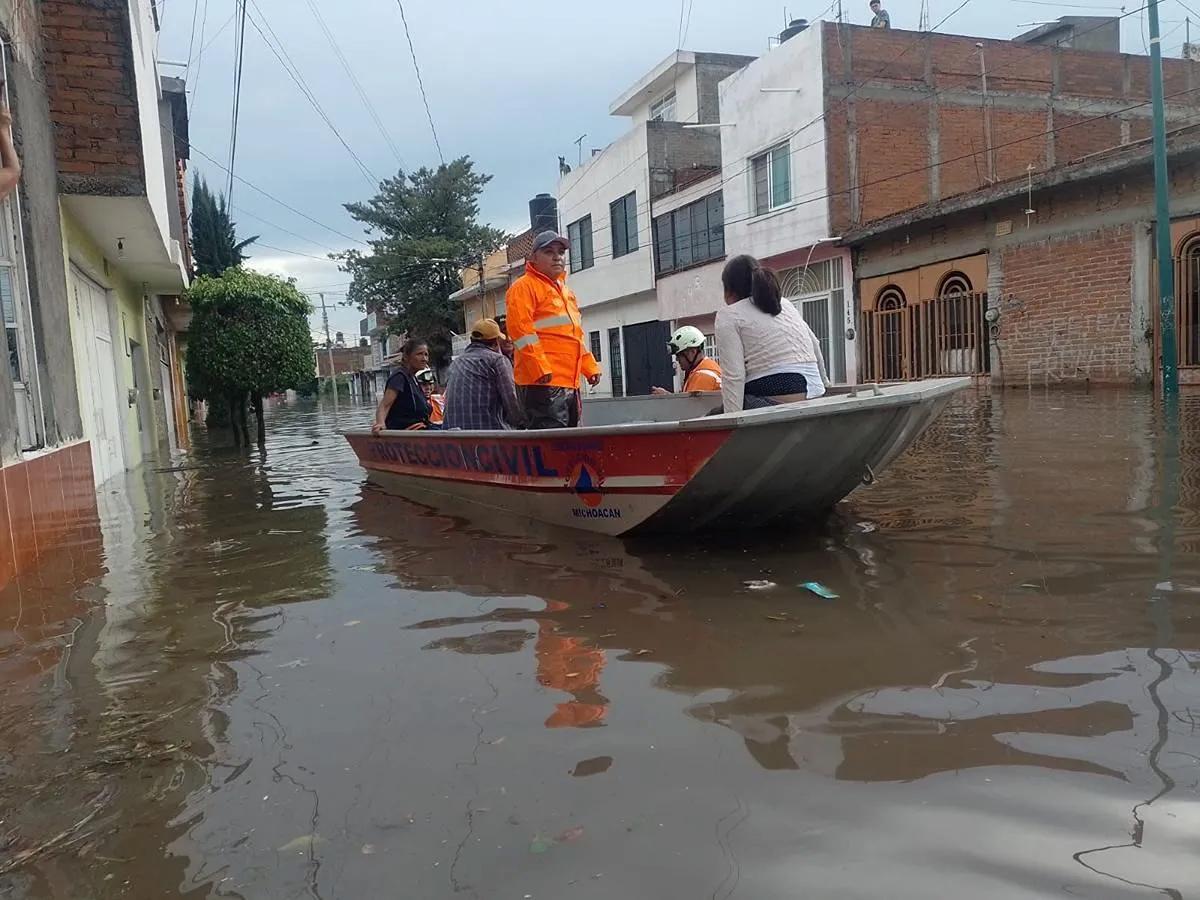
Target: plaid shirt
(481, 394)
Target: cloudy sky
(511, 85)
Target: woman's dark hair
(409, 346)
(745, 277)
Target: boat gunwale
(905, 394)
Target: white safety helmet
(685, 338)
(426, 376)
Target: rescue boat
(663, 464)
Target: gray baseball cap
(546, 238)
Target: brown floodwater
(264, 678)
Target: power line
(420, 82)
(325, 259)
(200, 58)
(239, 56)
(194, 149)
(816, 198)
(270, 224)
(192, 36)
(845, 100)
(687, 24)
(362, 94)
(293, 72)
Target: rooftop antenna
(579, 146)
(924, 25)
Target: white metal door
(96, 366)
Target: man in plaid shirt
(481, 394)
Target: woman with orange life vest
(699, 372)
(437, 402)
(550, 355)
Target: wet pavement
(264, 678)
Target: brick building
(842, 128)
(1037, 280)
(344, 360)
(911, 121)
(93, 263)
(944, 132)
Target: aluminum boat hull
(674, 470)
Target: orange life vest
(705, 377)
(437, 406)
(546, 329)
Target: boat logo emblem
(585, 482)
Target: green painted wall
(129, 325)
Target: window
(594, 340)
(18, 335)
(624, 225)
(771, 179)
(954, 284)
(710, 347)
(580, 235)
(690, 235)
(616, 370)
(9, 306)
(953, 316)
(891, 297)
(663, 109)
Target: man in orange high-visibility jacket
(549, 353)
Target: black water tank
(794, 28)
(543, 213)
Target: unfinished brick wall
(1067, 318)
(93, 97)
(905, 114)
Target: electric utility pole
(1162, 217)
(329, 350)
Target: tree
(215, 246)
(423, 230)
(249, 337)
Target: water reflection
(287, 683)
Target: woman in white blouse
(765, 346)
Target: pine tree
(215, 246)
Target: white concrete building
(775, 185)
(606, 206)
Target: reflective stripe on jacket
(437, 405)
(544, 324)
(705, 377)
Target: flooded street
(261, 677)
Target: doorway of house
(95, 355)
(141, 396)
(647, 359)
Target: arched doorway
(1187, 293)
(891, 305)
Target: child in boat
(437, 402)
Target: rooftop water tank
(543, 213)
(794, 28)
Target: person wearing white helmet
(699, 372)
(437, 403)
